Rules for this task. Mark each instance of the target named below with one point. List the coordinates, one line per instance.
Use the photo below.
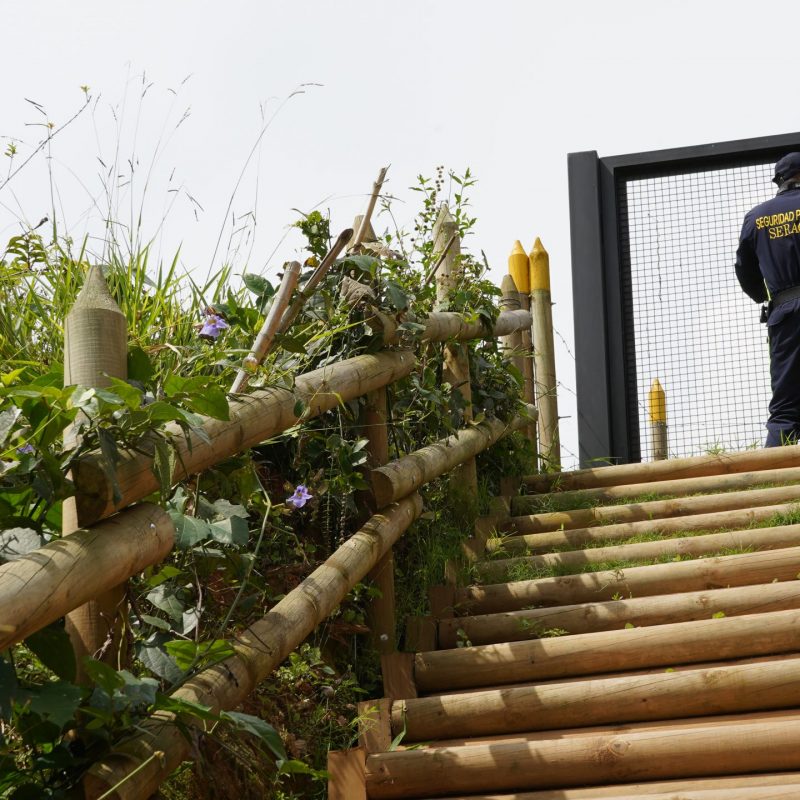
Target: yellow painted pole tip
(657, 402)
(540, 267)
(518, 267)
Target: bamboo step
(674, 488)
(653, 509)
(711, 747)
(681, 576)
(600, 701)
(608, 651)
(526, 624)
(759, 539)
(674, 468)
(740, 787)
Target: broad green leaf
(165, 599)
(103, 676)
(182, 651)
(234, 530)
(56, 702)
(54, 649)
(258, 285)
(226, 509)
(163, 465)
(258, 727)
(211, 401)
(164, 574)
(367, 265)
(8, 419)
(156, 622)
(177, 706)
(397, 298)
(189, 530)
(140, 368)
(141, 692)
(152, 654)
(8, 689)
(130, 395)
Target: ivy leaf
(156, 622)
(54, 649)
(56, 702)
(141, 692)
(258, 727)
(166, 600)
(234, 530)
(189, 530)
(152, 654)
(368, 265)
(397, 298)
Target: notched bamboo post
(95, 350)
(519, 275)
(657, 411)
(450, 272)
(544, 357)
(382, 616)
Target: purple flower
(25, 450)
(212, 327)
(300, 497)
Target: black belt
(779, 298)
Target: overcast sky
(506, 88)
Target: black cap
(787, 166)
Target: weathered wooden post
(95, 349)
(456, 355)
(519, 272)
(657, 411)
(544, 357)
(382, 619)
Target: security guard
(768, 269)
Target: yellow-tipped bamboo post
(692, 467)
(671, 578)
(382, 615)
(456, 355)
(687, 749)
(404, 475)
(691, 546)
(253, 418)
(657, 411)
(600, 701)
(263, 342)
(142, 763)
(581, 537)
(544, 357)
(46, 584)
(95, 350)
(518, 626)
(560, 657)
(512, 342)
(634, 512)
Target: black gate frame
(608, 424)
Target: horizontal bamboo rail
(516, 626)
(764, 786)
(404, 475)
(662, 509)
(692, 467)
(143, 762)
(600, 701)
(707, 544)
(253, 418)
(713, 747)
(739, 518)
(609, 651)
(444, 326)
(675, 488)
(44, 585)
(680, 576)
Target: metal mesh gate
(688, 322)
(655, 295)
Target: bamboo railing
(114, 540)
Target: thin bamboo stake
(253, 418)
(562, 657)
(746, 569)
(46, 584)
(657, 411)
(525, 624)
(692, 467)
(544, 357)
(160, 746)
(268, 330)
(95, 350)
(366, 220)
(290, 315)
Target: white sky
(506, 88)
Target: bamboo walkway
(648, 646)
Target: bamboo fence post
(657, 411)
(95, 350)
(382, 617)
(544, 357)
(270, 327)
(456, 355)
(519, 276)
(363, 225)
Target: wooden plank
(374, 725)
(398, 676)
(346, 779)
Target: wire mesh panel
(687, 321)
